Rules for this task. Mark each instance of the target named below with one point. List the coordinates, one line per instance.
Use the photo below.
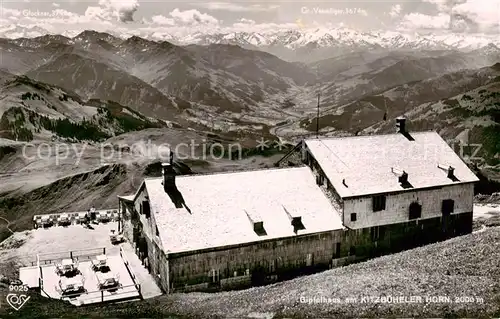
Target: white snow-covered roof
(221, 208)
(372, 164)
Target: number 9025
(18, 288)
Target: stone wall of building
(385, 239)
(242, 266)
(140, 230)
(398, 204)
(256, 263)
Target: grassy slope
(464, 266)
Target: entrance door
(447, 208)
(336, 251)
(309, 261)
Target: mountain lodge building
(330, 202)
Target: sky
(469, 16)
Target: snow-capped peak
(292, 39)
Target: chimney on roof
(451, 172)
(403, 178)
(402, 175)
(401, 125)
(296, 221)
(258, 225)
(449, 169)
(168, 173)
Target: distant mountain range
(299, 44)
(230, 89)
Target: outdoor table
(103, 217)
(107, 280)
(67, 265)
(114, 237)
(67, 262)
(45, 220)
(73, 284)
(100, 262)
(63, 218)
(102, 259)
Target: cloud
(57, 5)
(106, 18)
(395, 10)
(249, 21)
(98, 13)
(121, 10)
(442, 5)
(162, 20)
(424, 21)
(479, 15)
(243, 23)
(193, 17)
(457, 16)
(362, 12)
(10, 13)
(462, 15)
(235, 7)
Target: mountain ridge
(239, 91)
(303, 44)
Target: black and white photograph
(250, 159)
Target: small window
(319, 180)
(145, 208)
(157, 232)
(415, 210)
(448, 207)
(378, 203)
(353, 217)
